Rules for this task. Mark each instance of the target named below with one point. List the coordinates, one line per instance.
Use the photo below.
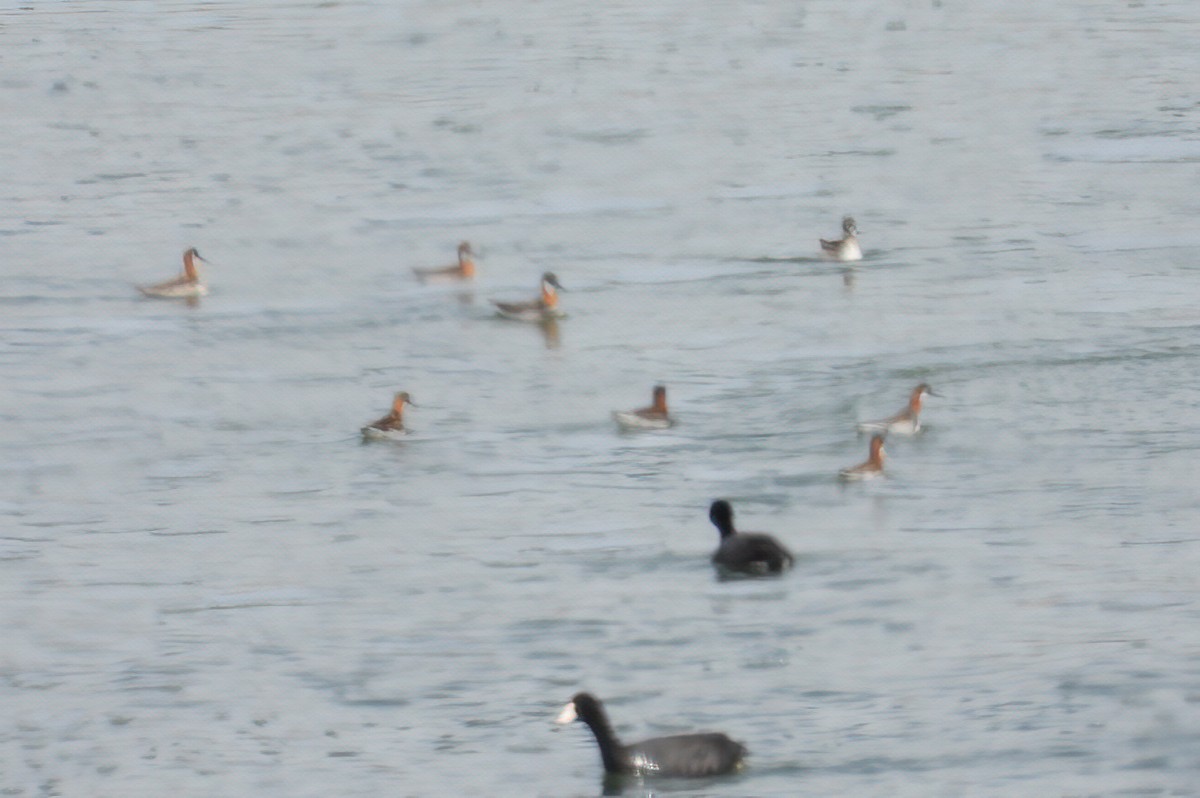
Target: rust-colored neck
(660, 400)
(466, 264)
(877, 452)
(189, 266)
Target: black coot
(746, 552)
(685, 755)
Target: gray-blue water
(210, 586)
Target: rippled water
(210, 585)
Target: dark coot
(682, 755)
(746, 552)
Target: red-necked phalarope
(536, 310)
(907, 421)
(185, 286)
(653, 417)
(751, 553)
(390, 426)
(464, 270)
(677, 756)
(873, 467)
(846, 248)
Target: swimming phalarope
(873, 467)
(846, 248)
(907, 421)
(464, 270)
(653, 417)
(751, 553)
(390, 426)
(537, 310)
(185, 286)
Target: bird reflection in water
(550, 332)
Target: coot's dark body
(750, 553)
(705, 754)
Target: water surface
(212, 586)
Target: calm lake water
(210, 586)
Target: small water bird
(845, 248)
(753, 553)
(653, 417)
(541, 309)
(681, 755)
(907, 421)
(185, 286)
(391, 426)
(873, 467)
(463, 270)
